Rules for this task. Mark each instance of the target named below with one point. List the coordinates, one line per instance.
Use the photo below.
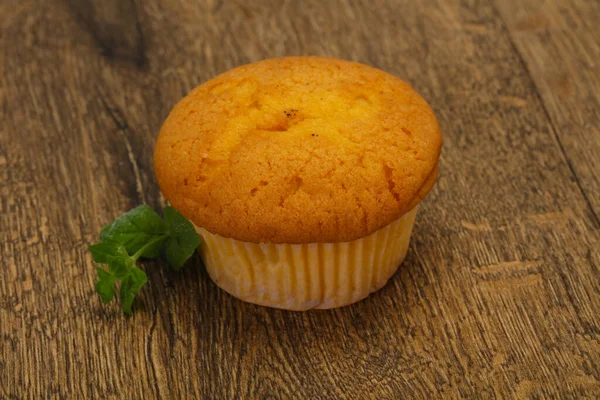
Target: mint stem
(141, 250)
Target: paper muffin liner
(306, 276)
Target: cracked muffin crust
(298, 150)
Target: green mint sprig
(140, 233)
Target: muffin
(302, 175)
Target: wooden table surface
(499, 296)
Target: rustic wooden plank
(559, 44)
(66, 171)
(496, 298)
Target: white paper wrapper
(305, 276)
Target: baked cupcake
(302, 175)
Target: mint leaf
(135, 229)
(102, 252)
(113, 254)
(183, 238)
(139, 233)
(120, 267)
(105, 285)
(130, 287)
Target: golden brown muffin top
(298, 150)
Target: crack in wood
(124, 130)
(149, 353)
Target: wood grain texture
(500, 292)
(560, 50)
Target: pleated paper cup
(310, 275)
